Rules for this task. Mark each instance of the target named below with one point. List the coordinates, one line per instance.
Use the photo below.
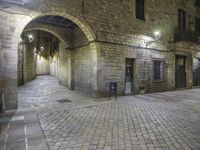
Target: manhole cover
(64, 101)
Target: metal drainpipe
(3, 108)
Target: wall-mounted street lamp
(39, 49)
(28, 39)
(157, 37)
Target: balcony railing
(186, 35)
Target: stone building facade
(109, 41)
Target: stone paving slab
(158, 121)
(129, 123)
(21, 131)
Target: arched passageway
(74, 53)
(56, 46)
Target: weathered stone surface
(110, 33)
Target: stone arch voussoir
(25, 20)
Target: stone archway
(82, 24)
(30, 64)
(10, 89)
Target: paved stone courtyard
(141, 122)
(161, 121)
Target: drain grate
(64, 101)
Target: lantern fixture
(157, 36)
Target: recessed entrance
(196, 72)
(39, 56)
(180, 74)
(54, 48)
(129, 76)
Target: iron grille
(187, 35)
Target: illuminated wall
(113, 33)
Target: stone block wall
(112, 31)
(29, 61)
(77, 68)
(64, 67)
(119, 16)
(8, 60)
(111, 68)
(20, 64)
(84, 64)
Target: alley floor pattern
(158, 121)
(166, 121)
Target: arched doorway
(83, 78)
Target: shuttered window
(140, 9)
(157, 70)
(197, 3)
(181, 19)
(197, 25)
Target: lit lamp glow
(30, 38)
(41, 49)
(157, 35)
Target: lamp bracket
(151, 42)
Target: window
(197, 3)
(140, 9)
(181, 19)
(157, 70)
(197, 25)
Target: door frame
(193, 71)
(185, 68)
(133, 84)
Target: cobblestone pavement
(46, 92)
(21, 130)
(169, 120)
(161, 121)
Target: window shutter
(157, 70)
